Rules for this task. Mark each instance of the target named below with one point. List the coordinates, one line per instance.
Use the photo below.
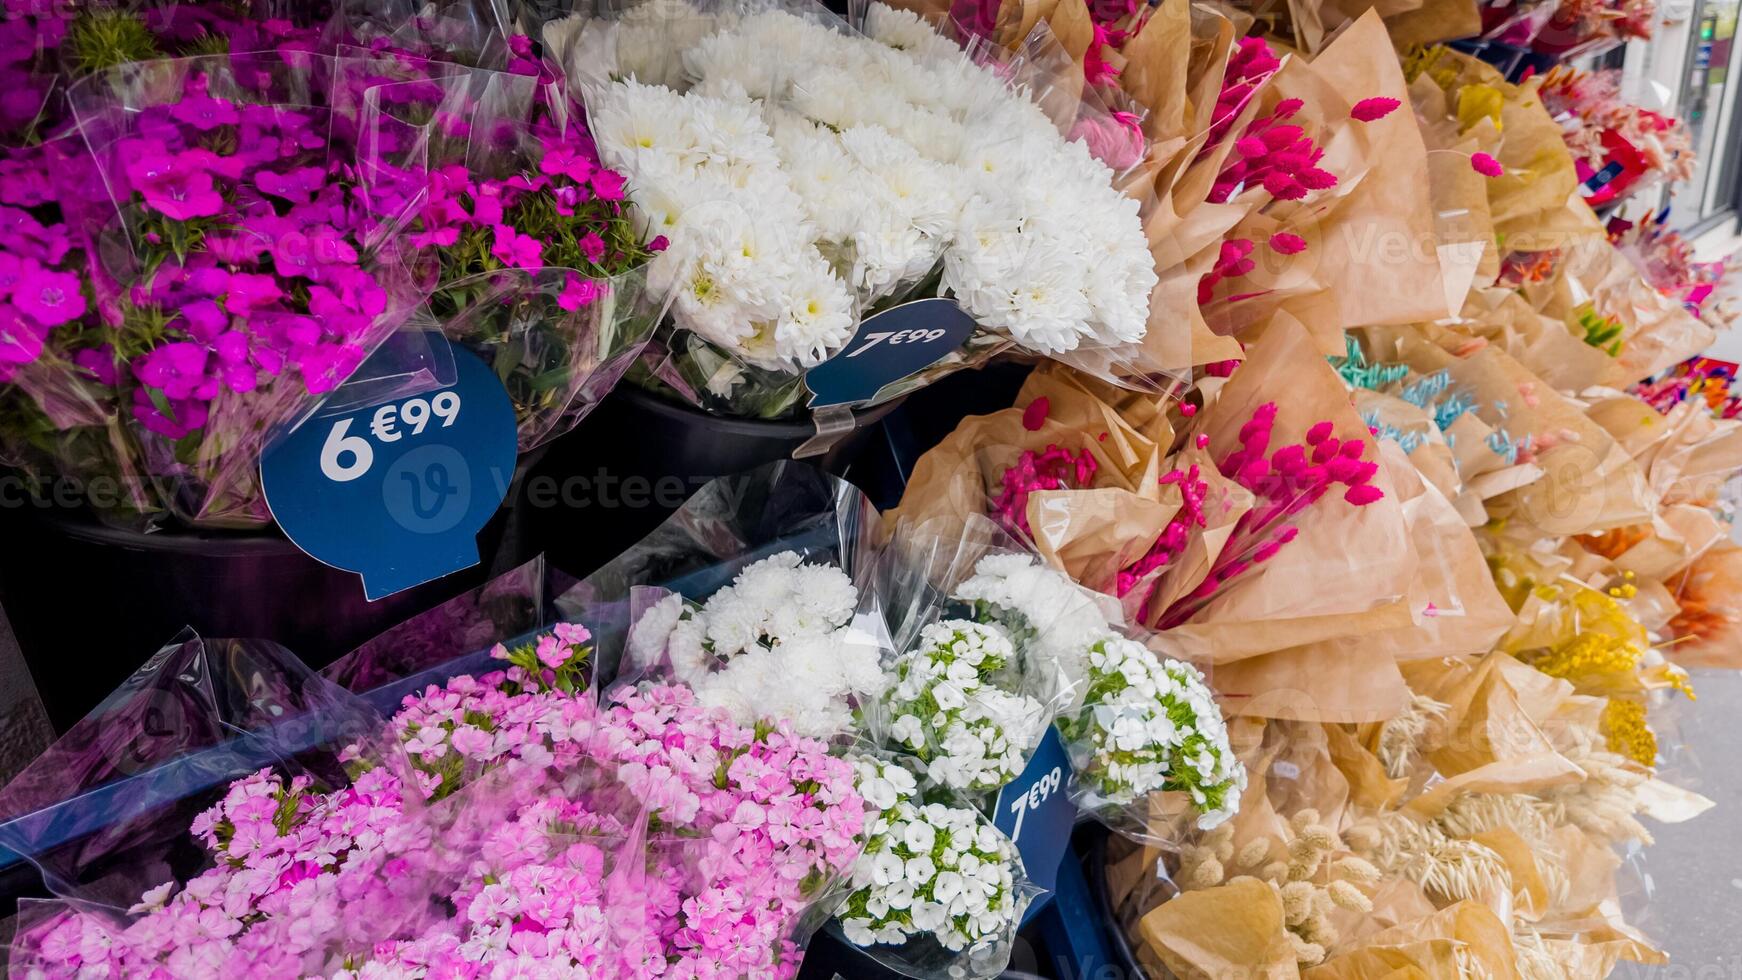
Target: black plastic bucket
(637, 457)
(89, 603)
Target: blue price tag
(1035, 810)
(1610, 171)
(397, 490)
(887, 347)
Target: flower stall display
(1620, 148)
(758, 178)
(1363, 616)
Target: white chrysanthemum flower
(1051, 620)
(778, 642)
(892, 157)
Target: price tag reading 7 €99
(1035, 811)
(887, 347)
(397, 490)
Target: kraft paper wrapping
(1535, 203)
(960, 476)
(1429, 948)
(1486, 722)
(1232, 930)
(1542, 344)
(1432, 458)
(1658, 332)
(1710, 595)
(1156, 60)
(1317, 21)
(1378, 220)
(1687, 455)
(1092, 534)
(1434, 21)
(1588, 483)
(1362, 550)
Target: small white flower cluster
(897, 156)
(776, 643)
(927, 869)
(1138, 722)
(1149, 724)
(1044, 612)
(945, 708)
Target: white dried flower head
(1347, 896)
(1254, 853)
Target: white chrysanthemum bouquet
(946, 707)
(806, 177)
(779, 642)
(930, 869)
(1136, 723)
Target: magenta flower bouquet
(525, 241)
(228, 287)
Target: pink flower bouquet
(525, 241)
(648, 836)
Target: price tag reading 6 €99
(397, 490)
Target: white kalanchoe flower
(944, 707)
(779, 642)
(927, 869)
(1149, 724)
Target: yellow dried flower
(1624, 728)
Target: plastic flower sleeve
(522, 236)
(728, 524)
(508, 607)
(248, 291)
(259, 756)
(961, 700)
(938, 891)
(784, 641)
